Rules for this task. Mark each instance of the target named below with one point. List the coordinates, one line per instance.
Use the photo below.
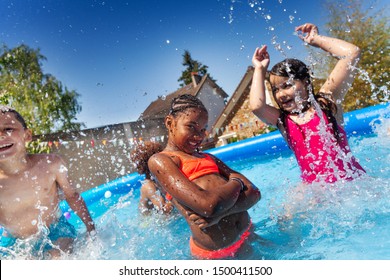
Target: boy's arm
(74, 199)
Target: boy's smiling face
(13, 136)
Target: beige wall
(97, 156)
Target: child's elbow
(356, 53)
(212, 208)
(257, 109)
(257, 194)
(254, 194)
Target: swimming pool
(350, 220)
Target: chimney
(195, 78)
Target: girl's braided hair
(184, 102)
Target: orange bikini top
(196, 167)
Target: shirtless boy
(30, 187)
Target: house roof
(236, 100)
(160, 107)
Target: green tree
(40, 98)
(367, 28)
(191, 66)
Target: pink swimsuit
(319, 155)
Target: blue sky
(122, 55)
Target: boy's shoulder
(46, 159)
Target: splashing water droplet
(67, 215)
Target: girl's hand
(261, 58)
(307, 32)
(203, 222)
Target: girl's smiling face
(291, 95)
(187, 130)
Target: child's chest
(27, 191)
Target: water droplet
(107, 194)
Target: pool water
(349, 220)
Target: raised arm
(74, 199)
(348, 55)
(257, 99)
(205, 203)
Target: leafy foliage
(369, 30)
(192, 66)
(40, 98)
(37, 147)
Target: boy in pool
(213, 198)
(150, 196)
(30, 188)
(310, 122)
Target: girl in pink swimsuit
(310, 123)
(213, 198)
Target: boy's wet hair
(141, 154)
(18, 117)
(184, 102)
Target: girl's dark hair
(18, 117)
(141, 154)
(296, 69)
(291, 67)
(184, 102)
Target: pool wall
(359, 122)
